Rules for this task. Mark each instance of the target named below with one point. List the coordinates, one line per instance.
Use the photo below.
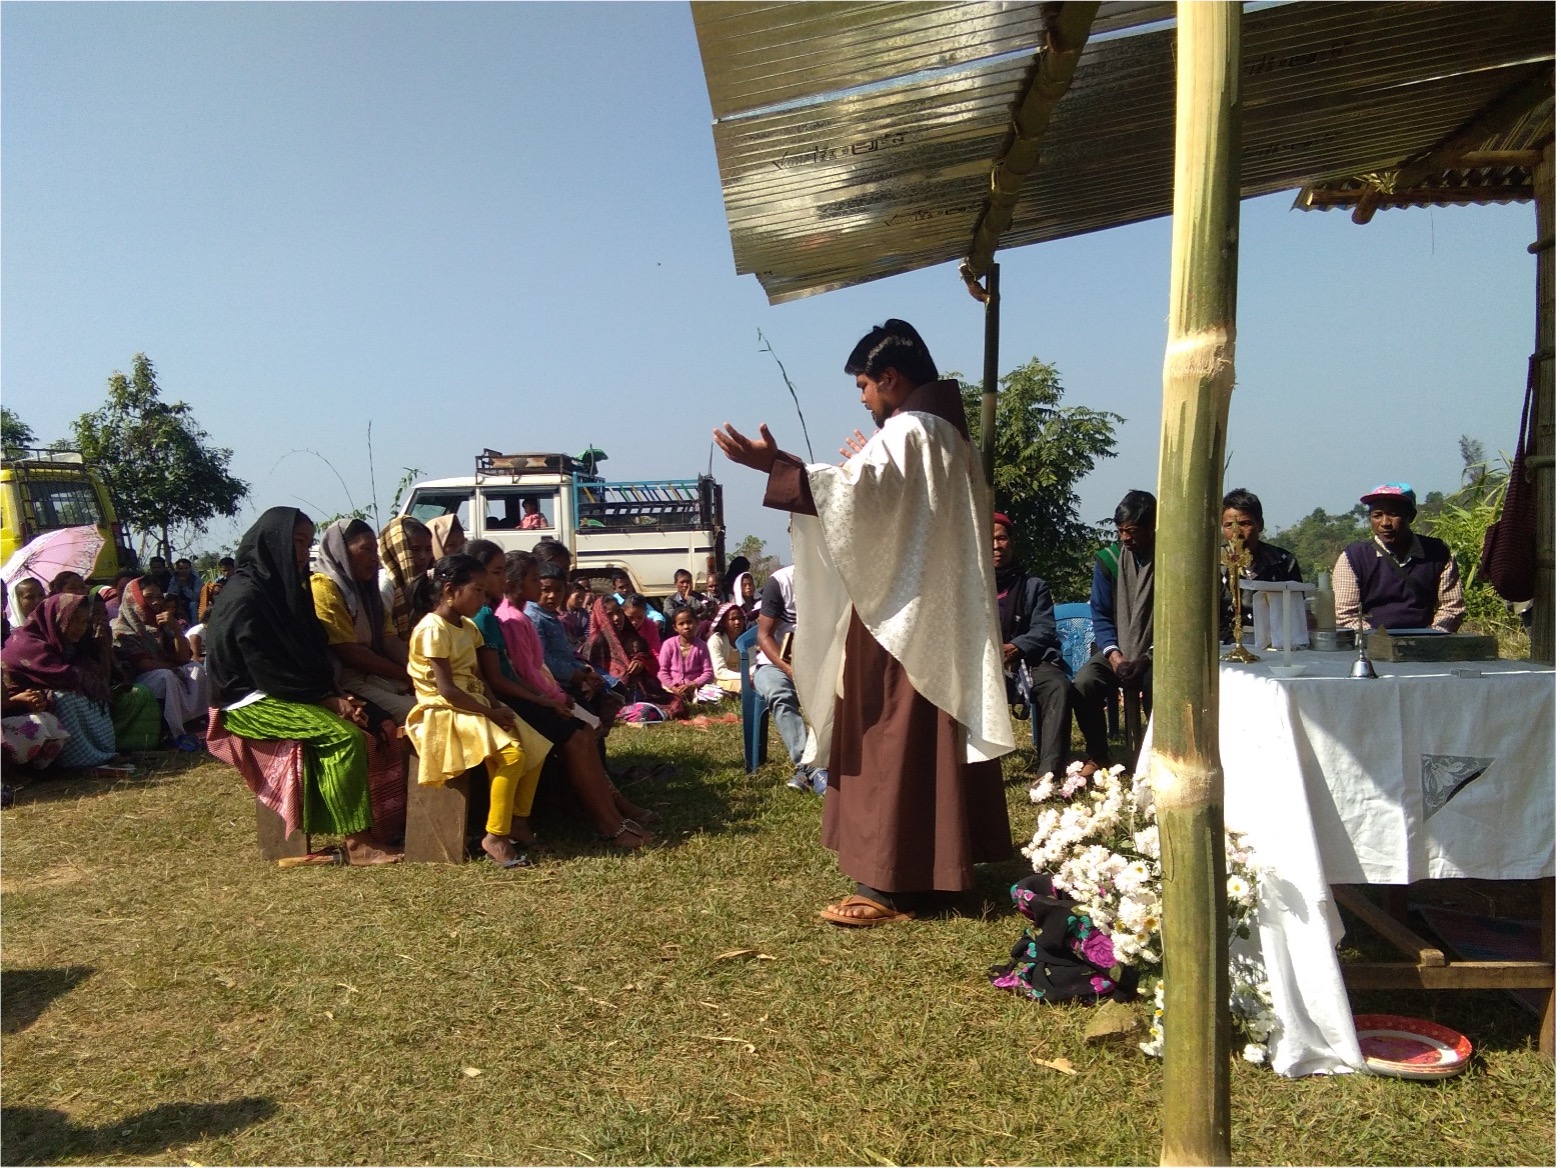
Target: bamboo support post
(1542, 631)
(1184, 764)
(989, 378)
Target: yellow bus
(44, 490)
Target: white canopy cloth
(1421, 773)
(903, 535)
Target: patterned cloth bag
(1061, 955)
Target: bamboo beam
(1067, 28)
(1542, 631)
(1496, 116)
(1184, 764)
(989, 377)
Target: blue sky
(501, 225)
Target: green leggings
(336, 760)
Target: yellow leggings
(511, 786)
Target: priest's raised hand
(758, 454)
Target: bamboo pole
(1542, 633)
(989, 377)
(1184, 764)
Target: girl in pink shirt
(684, 660)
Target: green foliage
(156, 461)
(14, 433)
(1318, 539)
(1043, 450)
(1462, 521)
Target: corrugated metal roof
(1501, 170)
(879, 161)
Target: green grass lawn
(169, 998)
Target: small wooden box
(1385, 647)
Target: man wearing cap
(1397, 580)
(896, 655)
(1027, 625)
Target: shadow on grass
(26, 993)
(36, 1136)
(152, 770)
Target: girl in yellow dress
(456, 725)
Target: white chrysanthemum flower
(1239, 889)
(1043, 790)
(1147, 841)
(1255, 1053)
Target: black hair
(1136, 508)
(624, 573)
(532, 500)
(453, 571)
(551, 550)
(357, 528)
(1244, 501)
(688, 609)
(517, 564)
(63, 579)
(144, 581)
(894, 343)
(682, 573)
(181, 561)
(636, 599)
(548, 571)
(481, 551)
(226, 561)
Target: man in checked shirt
(1397, 579)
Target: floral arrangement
(1097, 837)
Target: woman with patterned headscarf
(406, 553)
(272, 677)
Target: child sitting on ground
(684, 660)
(728, 626)
(456, 725)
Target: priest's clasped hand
(758, 454)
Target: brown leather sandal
(869, 912)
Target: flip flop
(517, 862)
(874, 913)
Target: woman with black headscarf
(272, 676)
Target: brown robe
(904, 810)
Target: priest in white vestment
(896, 653)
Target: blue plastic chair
(756, 712)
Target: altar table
(1430, 771)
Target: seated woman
(616, 648)
(151, 644)
(371, 660)
(1242, 520)
(728, 626)
(25, 596)
(33, 736)
(543, 704)
(406, 553)
(271, 674)
(45, 654)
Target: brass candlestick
(1235, 557)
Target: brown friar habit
(905, 812)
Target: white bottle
(1322, 602)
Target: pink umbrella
(51, 553)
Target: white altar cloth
(1421, 773)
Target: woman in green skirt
(271, 675)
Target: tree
(1043, 450)
(156, 462)
(1318, 539)
(14, 433)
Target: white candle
(1285, 623)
